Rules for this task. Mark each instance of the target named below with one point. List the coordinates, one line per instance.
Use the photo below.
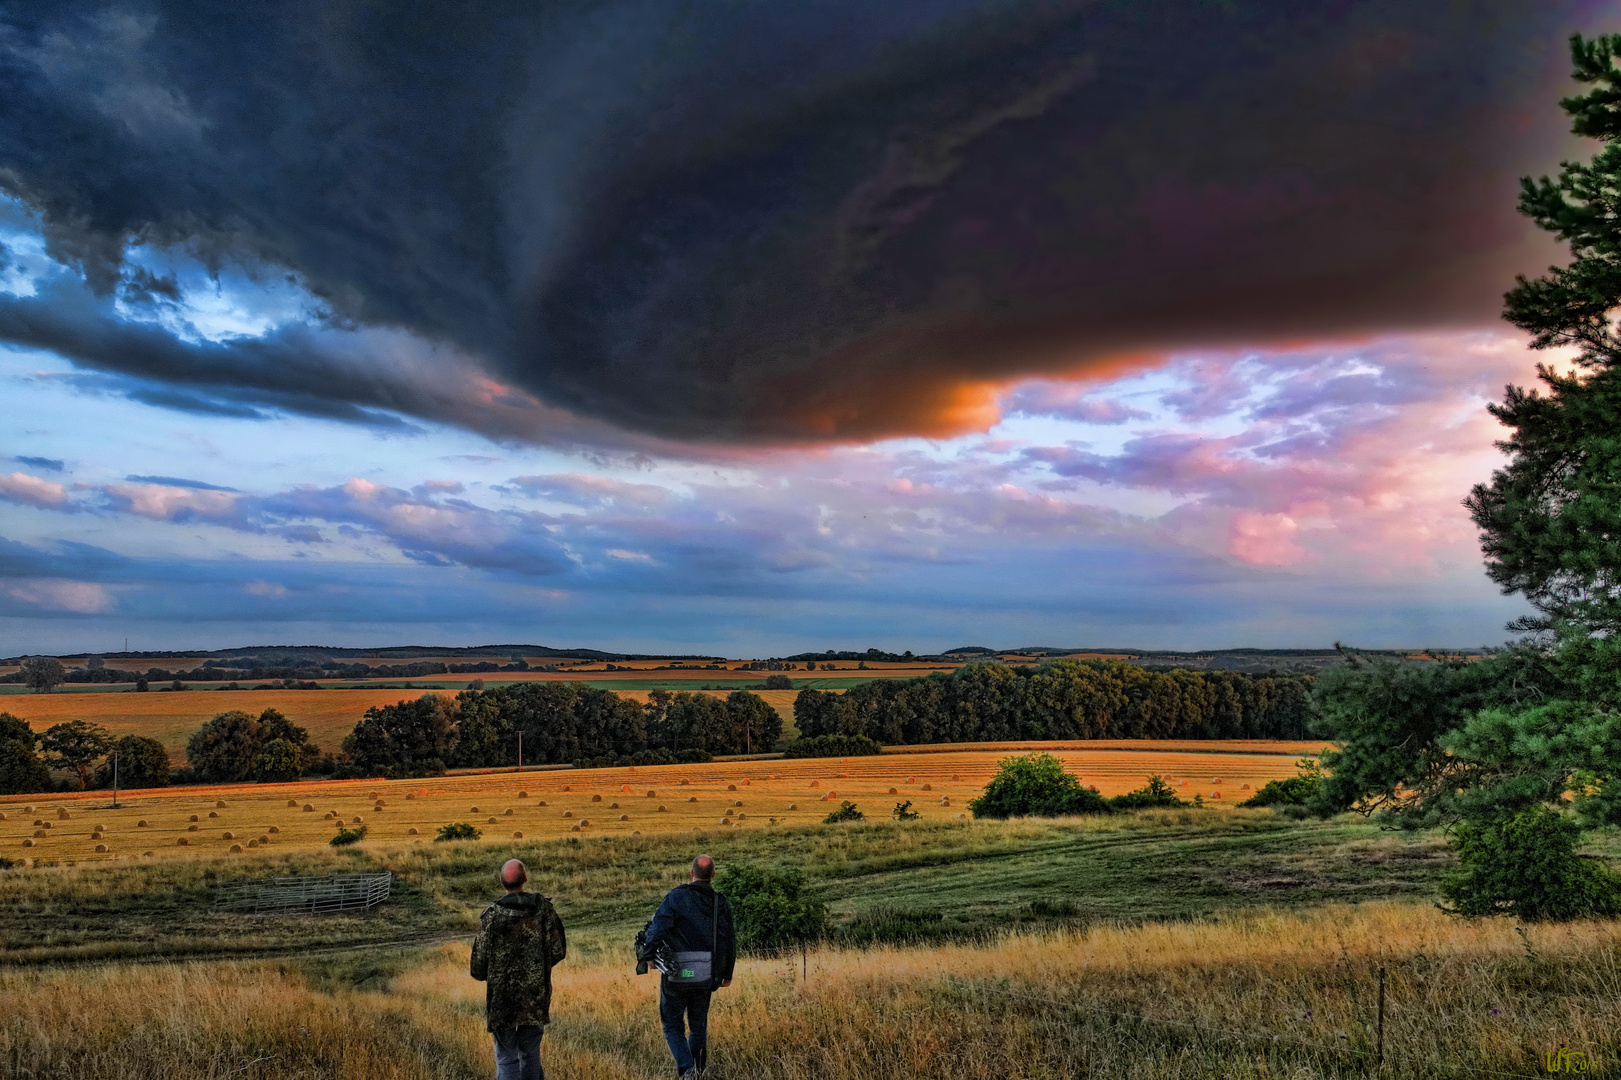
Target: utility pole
(115, 782)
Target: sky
(751, 328)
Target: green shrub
(833, 746)
(1525, 864)
(771, 908)
(348, 836)
(1294, 791)
(846, 812)
(903, 926)
(459, 831)
(1153, 795)
(903, 811)
(1035, 785)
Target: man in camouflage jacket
(520, 939)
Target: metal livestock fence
(336, 892)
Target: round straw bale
(48, 825)
(568, 813)
(745, 783)
(624, 817)
(507, 812)
(517, 836)
(684, 781)
(28, 843)
(192, 818)
(1246, 787)
(692, 798)
(213, 813)
(565, 787)
(815, 784)
(893, 791)
(1215, 794)
(1184, 783)
(584, 821)
(219, 804)
(844, 776)
(832, 794)
(329, 815)
(596, 798)
(253, 843)
(263, 840)
(624, 787)
(636, 832)
(191, 828)
(236, 849)
(651, 793)
(731, 787)
(410, 796)
(662, 809)
(945, 800)
(727, 814)
(737, 802)
(473, 810)
(273, 829)
(181, 842)
(962, 815)
(411, 831)
(911, 780)
(928, 787)
(63, 815)
(292, 802)
(39, 821)
(3, 817)
(523, 794)
(141, 824)
(542, 802)
(490, 820)
(740, 817)
(39, 832)
(309, 808)
(28, 809)
(793, 806)
(1215, 779)
(229, 836)
(576, 828)
(613, 806)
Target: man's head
(703, 868)
(513, 875)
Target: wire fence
(336, 892)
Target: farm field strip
(726, 795)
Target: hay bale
(146, 854)
(945, 800)
(568, 813)
(28, 809)
(624, 817)
(662, 809)
(39, 834)
(1246, 787)
(273, 829)
(815, 784)
(731, 787)
(192, 818)
(894, 791)
(229, 836)
(911, 780)
(693, 798)
(542, 802)
(727, 814)
(1215, 794)
(292, 802)
(596, 798)
(928, 787)
(1215, 779)
(3, 816)
(474, 810)
(191, 828)
(517, 836)
(219, 804)
(613, 806)
(236, 849)
(565, 787)
(39, 821)
(356, 820)
(329, 815)
(521, 795)
(63, 815)
(745, 783)
(737, 802)
(651, 793)
(141, 824)
(507, 812)
(28, 843)
(832, 794)
(636, 832)
(411, 831)
(309, 808)
(490, 820)
(263, 840)
(624, 787)
(740, 817)
(685, 782)
(181, 842)
(793, 806)
(253, 844)
(962, 815)
(410, 796)
(575, 829)
(213, 813)
(47, 824)
(584, 821)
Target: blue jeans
(517, 1053)
(679, 1009)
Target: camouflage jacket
(520, 938)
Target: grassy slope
(978, 877)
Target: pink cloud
(61, 594)
(19, 487)
(167, 503)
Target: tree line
(1062, 699)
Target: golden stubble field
(210, 822)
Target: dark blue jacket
(686, 920)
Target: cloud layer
(762, 223)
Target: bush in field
(1526, 865)
(1297, 790)
(1153, 795)
(1035, 785)
(833, 746)
(771, 907)
(847, 812)
(408, 738)
(228, 748)
(345, 837)
(903, 811)
(459, 831)
(21, 770)
(777, 682)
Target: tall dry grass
(1253, 994)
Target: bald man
(520, 940)
(695, 925)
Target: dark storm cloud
(761, 221)
(48, 464)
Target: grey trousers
(517, 1053)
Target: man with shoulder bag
(692, 943)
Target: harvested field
(725, 795)
(170, 718)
